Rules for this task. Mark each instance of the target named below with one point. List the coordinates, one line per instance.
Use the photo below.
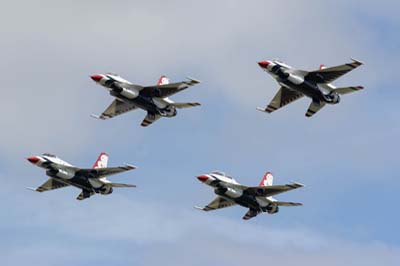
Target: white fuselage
(229, 188)
(55, 169)
(293, 79)
(127, 92)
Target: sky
(346, 155)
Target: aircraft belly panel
(306, 88)
(143, 103)
(79, 182)
(247, 201)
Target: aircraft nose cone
(202, 178)
(96, 77)
(33, 159)
(263, 64)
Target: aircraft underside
(83, 183)
(245, 200)
(147, 104)
(308, 89)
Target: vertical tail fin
(267, 180)
(101, 161)
(322, 67)
(163, 80)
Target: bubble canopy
(221, 173)
(49, 155)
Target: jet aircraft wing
(102, 172)
(283, 97)
(50, 184)
(314, 108)
(217, 203)
(329, 74)
(117, 107)
(162, 91)
(268, 191)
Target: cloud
(152, 233)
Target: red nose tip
(33, 159)
(263, 64)
(202, 178)
(96, 77)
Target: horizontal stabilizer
(250, 214)
(185, 105)
(149, 119)
(346, 90)
(287, 204)
(120, 185)
(85, 194)
(314, 108)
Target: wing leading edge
(50, 184)
(167, 90)
(327, 75)
(106, 171)
(116, 108)
(268, 191)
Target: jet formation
(153, 99)
(89, 180)
(256, 199)
(316, 85)
(294, 84)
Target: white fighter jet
(257, 199)
(153, 99)
(90, 180)
(313, 84)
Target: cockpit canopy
(112, 74)
(280, 63)
(49, 155)
(221, 173)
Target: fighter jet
(90, 180)
(313, 84)
(153, 99)
(257, 199)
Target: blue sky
(346, 155)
